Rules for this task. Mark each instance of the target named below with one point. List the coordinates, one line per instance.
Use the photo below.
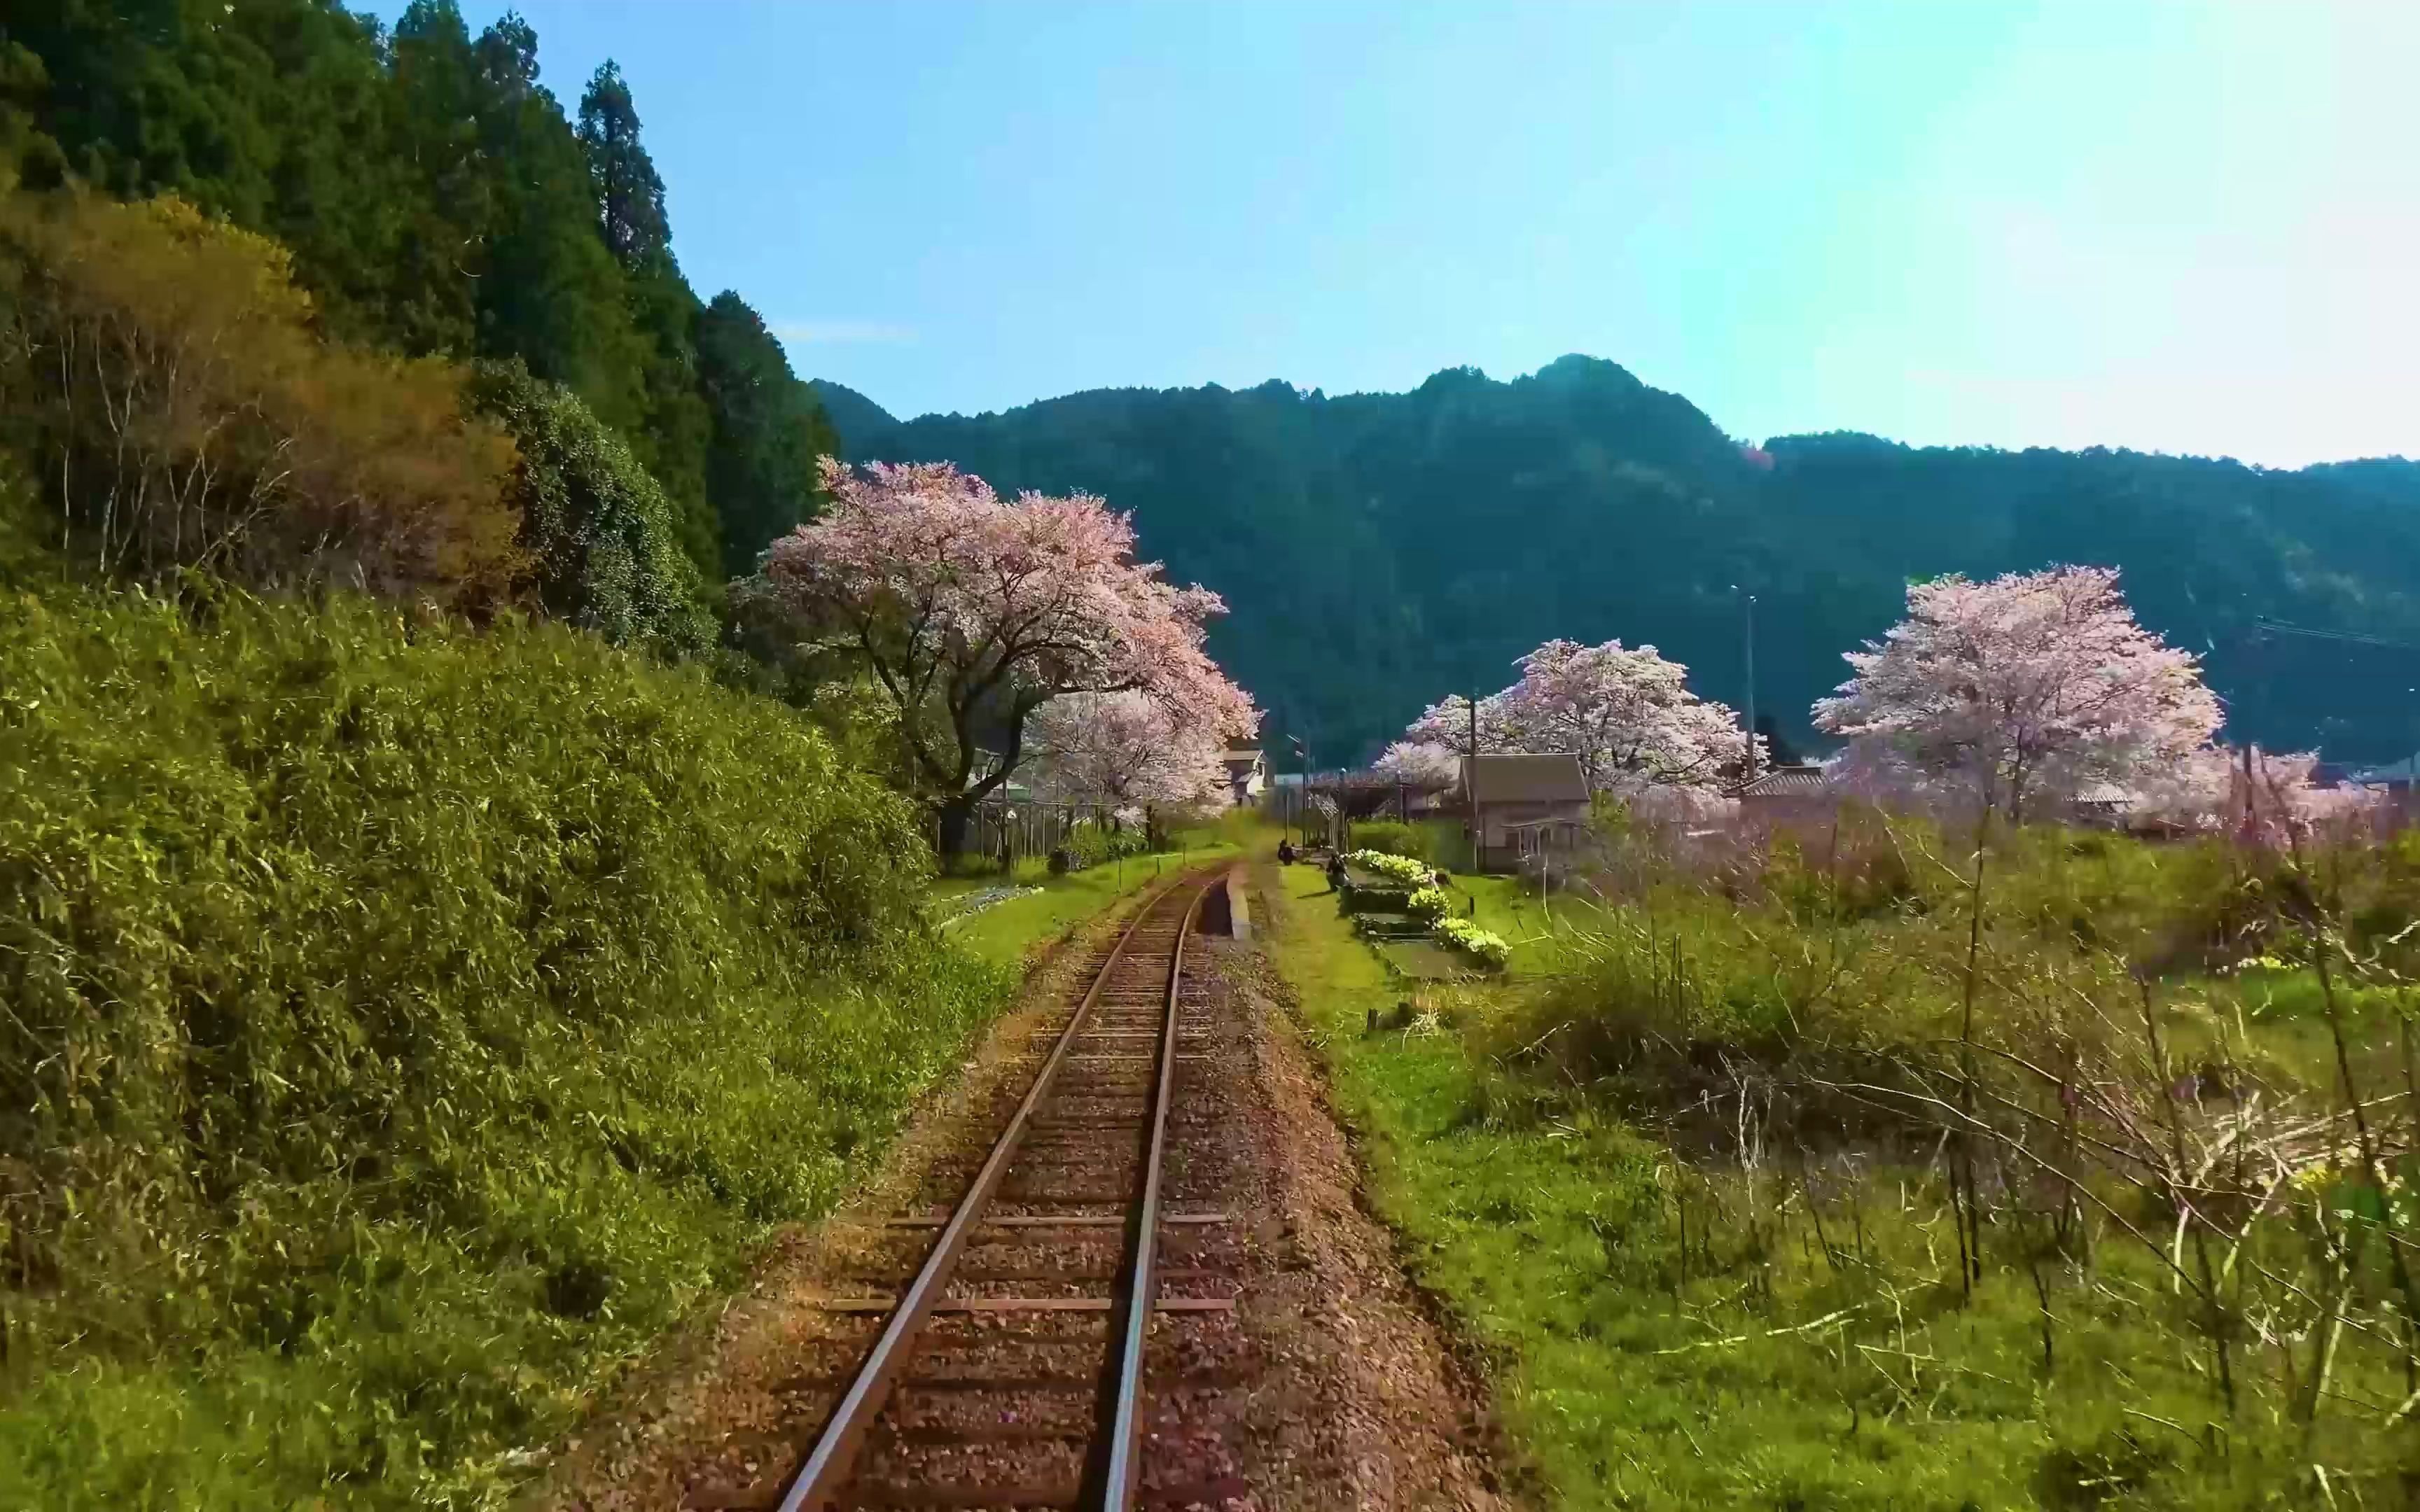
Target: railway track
(1056, 1329)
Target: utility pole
(1302, 793)
(1472, 781)
(1748, 642)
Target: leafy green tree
(552, 295)
(440, 262)
(273, 113)
(607, 555)
(677, 434)
(434, 195)
(28, 154)
(769, 431)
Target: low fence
(1008, 831)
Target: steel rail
(1122, 1473)
(823, 1475)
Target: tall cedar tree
(629, 198)
(769, 430)
(629, 192)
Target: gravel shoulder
(1364, 1405)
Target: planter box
(1375, 896)
(1391, 926)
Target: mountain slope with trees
(438, 200)
(1379, 549)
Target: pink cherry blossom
(2031, 686)
(1421, 763)
(973, 611)
(1119, 749)
(1627, 714)
(2264, 797)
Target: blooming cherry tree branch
(972, 609)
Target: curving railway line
(1056, 1328)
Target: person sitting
(1285, 852)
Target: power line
(2267, 626)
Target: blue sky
(2188, 228)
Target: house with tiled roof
(1786, 793)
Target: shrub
(1091, 843)
(407, 1023)
(604, 535)
(163, 372)
(1400, 869)
(1393, 838)
(1429, 903)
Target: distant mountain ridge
(1380, 550)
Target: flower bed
(1471, 940)
(1429, 903)
(1400, 869)
(951, 910)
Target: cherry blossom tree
(2264, 797)
(973, 611)
(1421, 763)
(2031, 686)
(1120, 750)
(1446, 724)
(1626, 712)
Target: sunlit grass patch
(1676, 1326)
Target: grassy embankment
(1010, 932)
(1680, 1317)
(406, 1024)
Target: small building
(2395, 777)
(2398, 782)
(1248, 776)
(2103, 805)
(1528, 804)
(1787, 794)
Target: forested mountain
(1380, 550)
(438, 200)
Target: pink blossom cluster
(969, 607)
(1120, 750)
(1423, 765)
(2262, 796)
(2030, 687)
(1626, 712)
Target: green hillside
(407, 1023)
(438, 199)
(1380, 550)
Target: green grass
(1763, 1361)
(1007, 934)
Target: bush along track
(1665, 1172)
(407, 1025)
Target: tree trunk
(953, 820)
